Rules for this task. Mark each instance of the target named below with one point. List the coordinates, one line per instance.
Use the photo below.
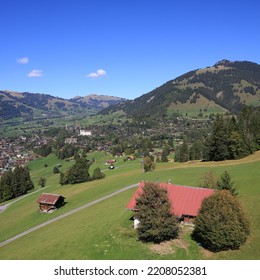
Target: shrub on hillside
(221, 223)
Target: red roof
(184, 200)
(48, 198)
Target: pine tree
(157, 223)
(5, 186)
(164, 157)
(42, 182)
(184, 151)
(225, 183)
(15, 183)
(221, 223)
(218, 140)
(27, 179)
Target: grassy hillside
(104, 230)
(202, 105)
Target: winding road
(67, 214)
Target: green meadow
(105, 230)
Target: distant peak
(223, 62)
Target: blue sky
(122, 48)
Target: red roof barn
(185, 201)
(48, 202)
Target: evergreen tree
(219, 140)
(182, 152)
(15, 183)
(196, 150)
(56, 170)
(164, 157)
(5, 186)
(42, 182)
(62, 179)
(225, 183)
(28, 183)
(237, 147)
(44, 151)
(221, 223)
(177, 154)
(249, 126)
(157, 223)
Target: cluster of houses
(13, 154)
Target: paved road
(67, 214)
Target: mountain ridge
(226, 86)
(33, 105)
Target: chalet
(131, 158)
(110, 161)
(185, 201)
(49, 202)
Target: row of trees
(230, 138)
(14, 183)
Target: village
(14, 153)
(19, 150)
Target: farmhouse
(110, 161)
(49, 202)
(185, 201)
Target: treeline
(14, 183)
(233, 138)
(230, 138)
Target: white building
(85, 133)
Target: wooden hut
(49, 202)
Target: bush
(222, 223)
(98, 174)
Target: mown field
(105, 230)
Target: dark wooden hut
(48, 202)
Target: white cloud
(23, 60)
(97, 74)
(35, 73)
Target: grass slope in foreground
(104, 230)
